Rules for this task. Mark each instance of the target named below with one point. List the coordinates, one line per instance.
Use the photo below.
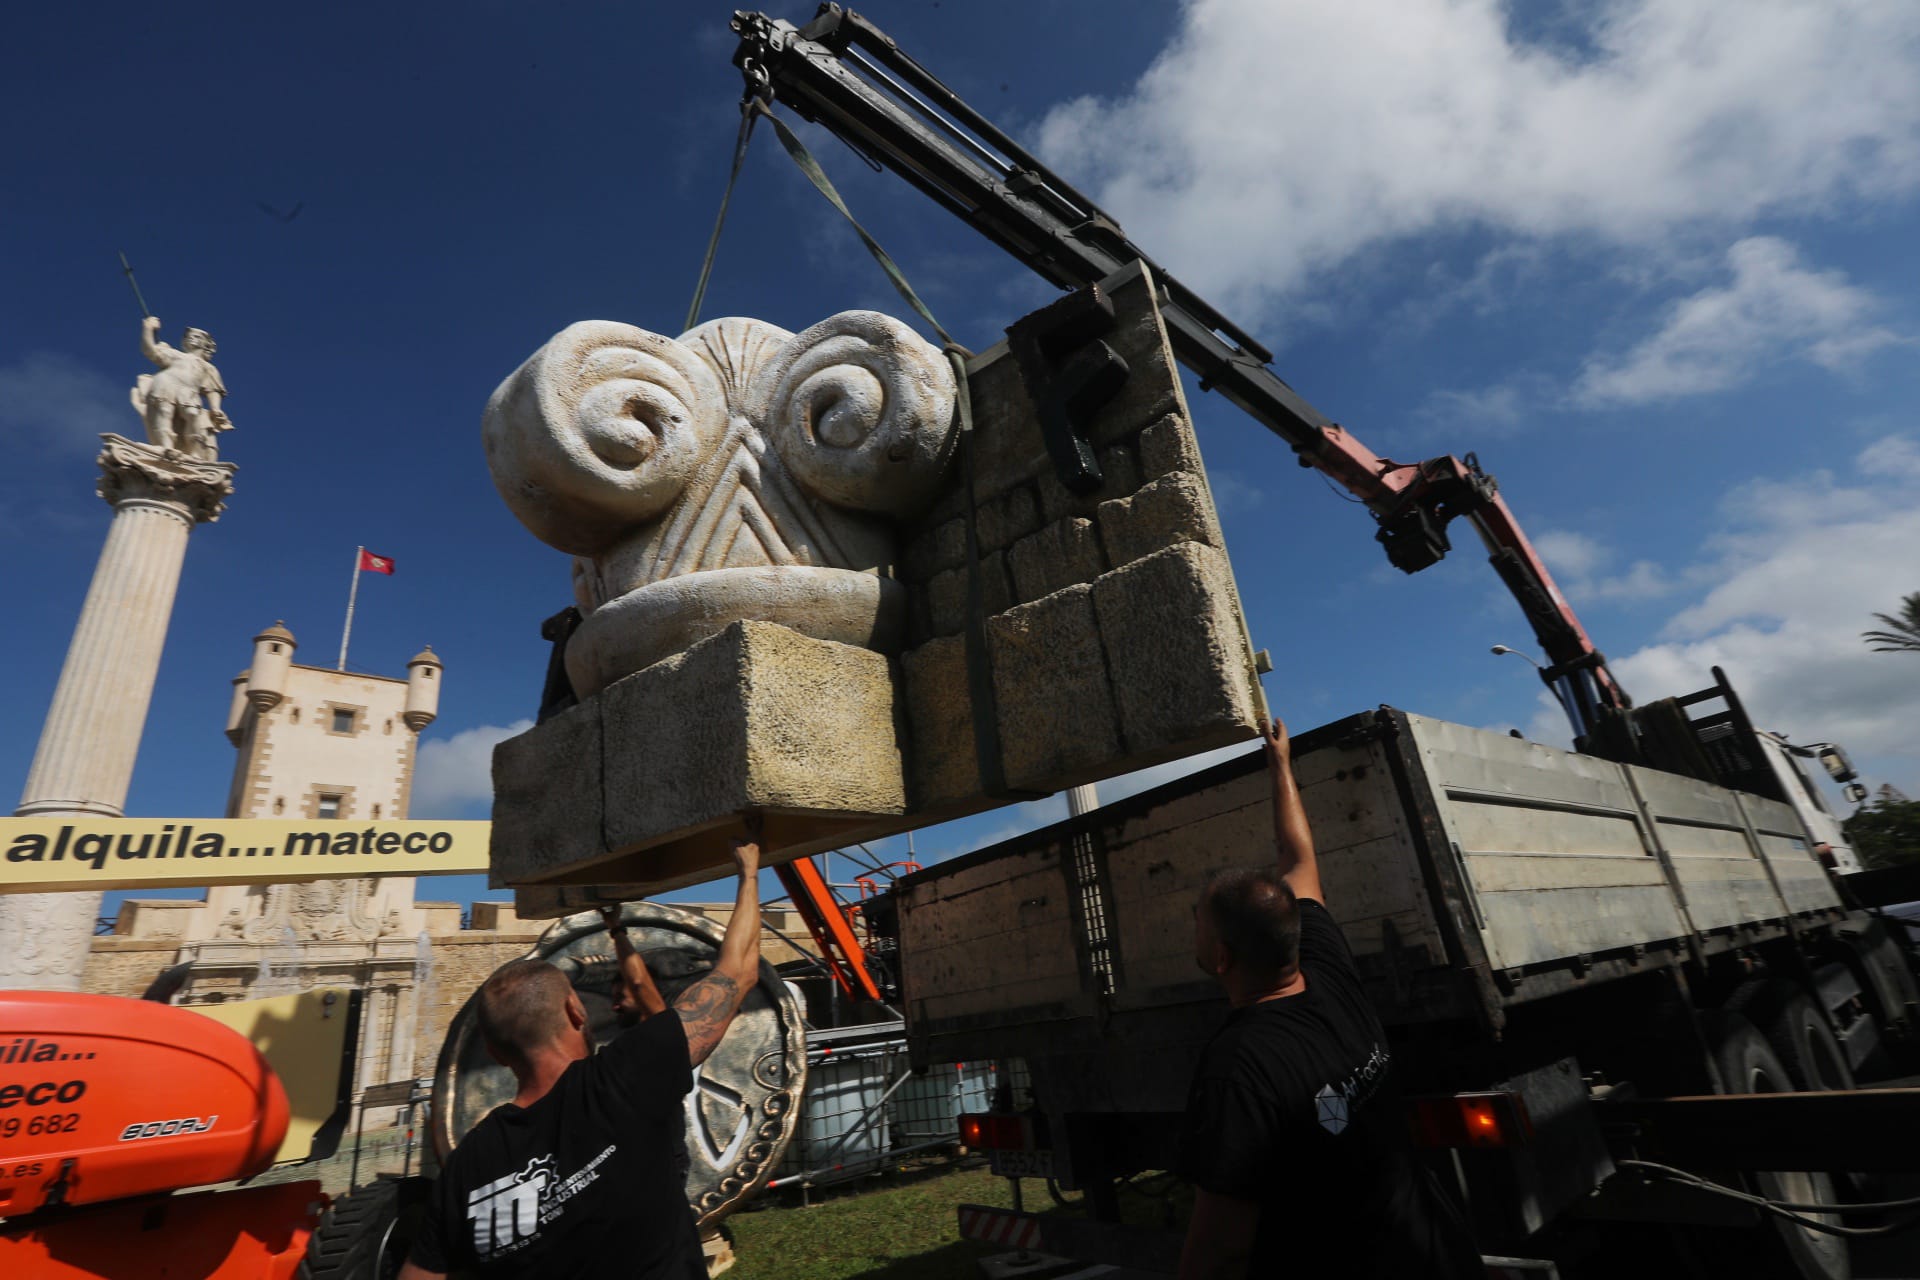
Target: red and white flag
(372, 563)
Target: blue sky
(1655, 262)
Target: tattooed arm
(707, 1007)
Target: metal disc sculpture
(745, 1097)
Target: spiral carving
(600, 430)
(860, 408)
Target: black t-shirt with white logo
(1292, 1108)
(581, 1183)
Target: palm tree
(1902, 633)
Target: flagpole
(353, 593)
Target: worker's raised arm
(1294, 838)
(707, 1007)
(637, 992)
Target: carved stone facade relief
(737, 472)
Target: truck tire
(1748, 1064)
(1806, 1045)
(356, 1240)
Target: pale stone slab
(547, 783)
(757, 719)
(1183, 676)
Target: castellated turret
(423, 690)
(237, 710)
(272, 656)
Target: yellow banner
(44, 855)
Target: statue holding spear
(169, 402)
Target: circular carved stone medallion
(745, 1097)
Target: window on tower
(329, 807)
(342, 721)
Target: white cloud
(1580, 563)
(1319, 128)
(53, 400)
(1772, 309)
(1232, 492)
(1896, 456)
(454, 775)
(1785, 588)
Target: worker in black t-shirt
(1294, 1139)
(576, 1176)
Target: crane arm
(845, 74)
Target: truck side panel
(1554, 854)
(1722, 881)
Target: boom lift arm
(847, 75)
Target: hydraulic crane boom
(847, 75)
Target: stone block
(1007, 517)
(546, 792)
(1175, 508)
(943, 764)
(1055, 714)
(1182, 672)
(1062, 554)
(1169, 445)
(757, 719)
(947, 594)
(941, 547)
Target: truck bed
(1472, 871)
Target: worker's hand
(746, 857)
(151, 322)
(610, 915)
(1279, 747)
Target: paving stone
(947, 594)
(1181, 669)
(1169, 445)
(941, 760)
(1055, 713)
(1175, 508)
(1062, 554)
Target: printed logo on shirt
(508, 1212)
(1335, 1103)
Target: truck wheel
(357, 1240)
(1776, 1247)
(1806, 1045)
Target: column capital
(131, 471)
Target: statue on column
(170, 401)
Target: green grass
(894, 1226)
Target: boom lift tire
(1774, 1246)
(358, 1238)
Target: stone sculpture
(738, 472)
(799, 607)
(169, 401)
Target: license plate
(1021, 1164)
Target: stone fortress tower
(314, 744)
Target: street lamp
(1545, 679)
(1500, 649)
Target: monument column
(92, 734)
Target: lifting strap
(980, 684)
